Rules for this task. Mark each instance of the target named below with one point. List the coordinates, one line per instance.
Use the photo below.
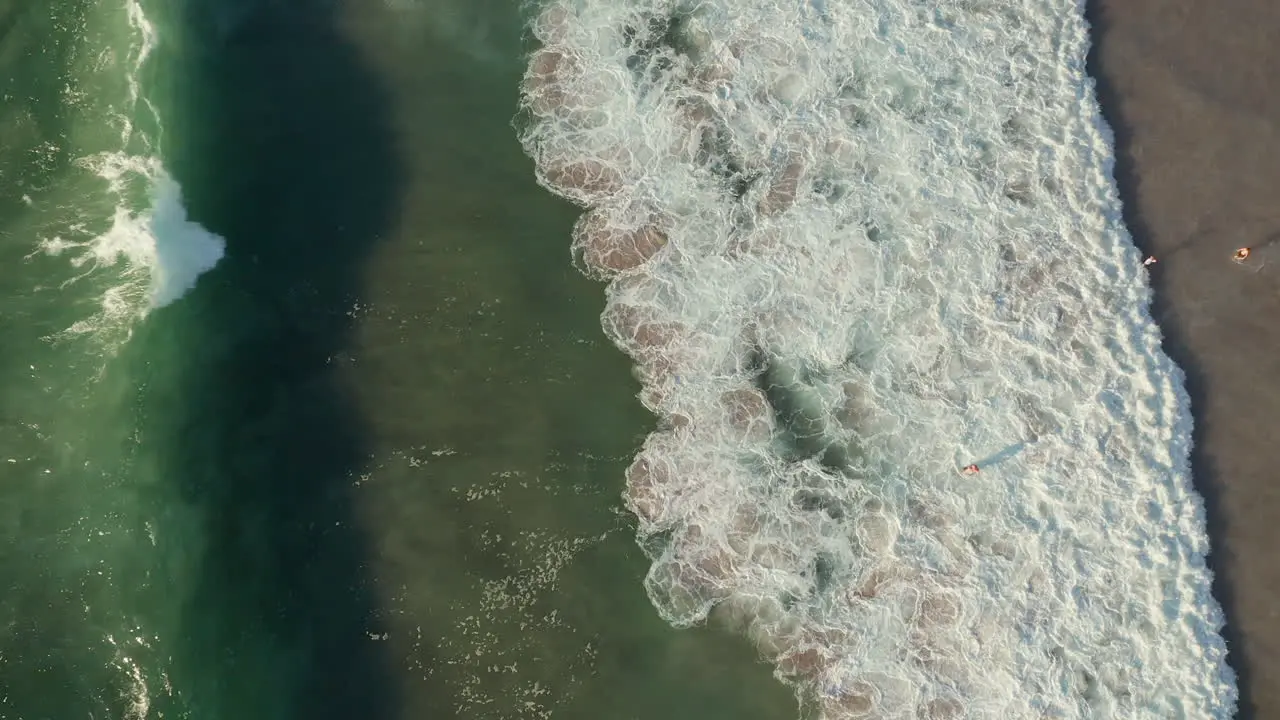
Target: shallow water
(853, 248)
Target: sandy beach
(1190, 91)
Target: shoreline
(1162, 119)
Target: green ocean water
(370, 466)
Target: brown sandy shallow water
(1193, 94)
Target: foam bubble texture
(149, 253)
(156, 254)
(852, 247)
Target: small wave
(150, 258)
(853, 247)
(160, 242)
(151, 253)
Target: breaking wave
(118, 216)
(153, 256)
(854, 247)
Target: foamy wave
(137, 696)
(151, 258)
(171, 250)
(151, 254)
(852, 248)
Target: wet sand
(1190, 89)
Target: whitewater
(852, 248)
(148, 254)
(98, 237)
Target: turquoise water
(370, 466)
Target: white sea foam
(151, 254)
(155, 255)
(854, 246)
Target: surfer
(1151, 260)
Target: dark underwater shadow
(508, 368)
(279, 138)
(1203, 469)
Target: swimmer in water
(1151, 260)
(969, 470)
(1241, 255)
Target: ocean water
(852, 248)
(292, 368)
(94, 238)
(311, 404)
